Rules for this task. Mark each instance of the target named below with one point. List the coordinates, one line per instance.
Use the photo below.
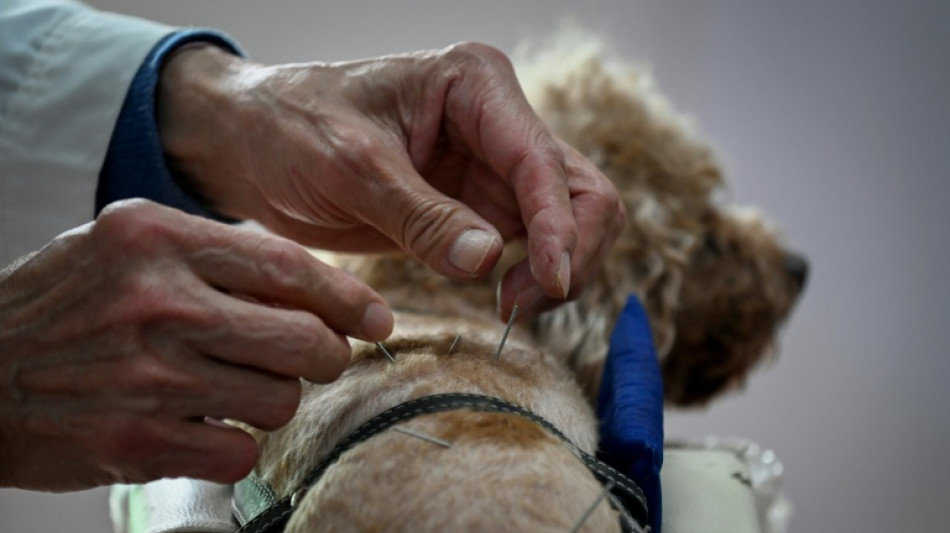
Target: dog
(716, 281)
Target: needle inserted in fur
(511, 321)
(590, 510)
(454, 343)
(422, 436)
(385, 351)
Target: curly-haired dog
(716, 282)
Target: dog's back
(499, 471)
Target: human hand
(437, 153)
(119, 338)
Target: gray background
(834, 117)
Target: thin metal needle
(422, 436)
(385, 351)
(511, 320)
(590, 510)
(454, 343)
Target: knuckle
(154, 383)
(602, 189)
(133, 223)
(542, 152)
(124, 208)
(150, 305)
(606, 198)
(601, 196)
(300, 337)
(546, 149)
(359, 143)
(302, 329)
(425, 220)
(480, 54)
(285, 264)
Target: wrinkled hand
(119, 338)
(437, 153)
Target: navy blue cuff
(135, 165)
(630, 406)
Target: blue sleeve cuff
(135, 165)
(630, 406)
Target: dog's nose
(796, 266)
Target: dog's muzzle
(259, 510)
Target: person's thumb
(443, 233)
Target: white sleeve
(64, 72)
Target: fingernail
(377, 322)
(470, 249)
(564, 274)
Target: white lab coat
(64, 72)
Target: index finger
(275, 270)
(279, 271)
(487, 111)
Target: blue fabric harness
(630, 406)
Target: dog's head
(738, 287)
(716, 280)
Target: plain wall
(832, 116)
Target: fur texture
(716, 282)
(502, 473)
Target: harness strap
(252, 494)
